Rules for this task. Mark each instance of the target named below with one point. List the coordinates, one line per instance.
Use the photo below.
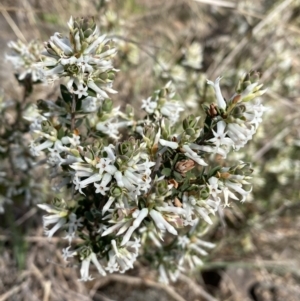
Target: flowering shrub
(135, 186)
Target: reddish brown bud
(212, 112)
(177, 203)
(173, 182)
(184, 166)
(236, 98)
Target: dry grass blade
(221, 3)
(13, 25)
(219, 66)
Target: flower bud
(190, 132)
(57, 202)
(173, 182)
(129, 110)
(162, 93)
(126, 148)
(204, 193)
(149, 132)
(111, 76)
(212, 111)
(189, 122)
(103, 76)
(177, 202)
(107, 105)
(75, 152)
(162, 188)
(48, 128)
(116, 191)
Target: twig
(20, 9)
(11, 292)
(279, 267)
(197, 289)
(219, 66)
(221, 3)
(26, 216)
(47, 290)
(34, 239)
(73, 112)
(12, 24)
(289, 102)
(261, 17)
(102, 297)
(135, 281)
(269, 145)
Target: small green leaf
(177, 176)
(60, 133)
(78, 122)
(213, 171)
(66, 95)
(79, 103)
(89, 216)
(166, 172)
(92, 93)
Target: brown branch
(73, 110)
(136, 281)
(197, 289)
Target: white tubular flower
(237, 187)
(25, 58)
(36, 149)
(183, 241)
(106, 165)
(84, 183)
(220, 138)
(163, 274)
(135, 176)
(85, 266)
(228, 194)
(197, 208)
(117, 225)
(193, 155)
(166, 274)
(214, 187)
(254, 113)
(108, 128)
(54, 158)
(193, 248)
(59, 218)
(161, 223)
(167, 143)
(148, 105)
(73, 224)
(108, 204)
(121, 259)
(90, 104)
(220, 100)
(223, 150)
(74, 140)
(68, 254)
(102, 187)
(193, 56)
(171, 110)
(139, 216)
(240, 134)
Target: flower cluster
(24, 58)
(84, 57)
(136, 187)
(18, 173)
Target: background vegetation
(257, 257)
